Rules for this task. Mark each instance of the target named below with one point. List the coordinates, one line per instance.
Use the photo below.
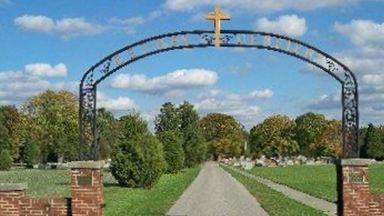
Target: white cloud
(257, 5)
(326, 101)
(65, 27)
(43, 69)
(290, 25)
(256, 94)
(373, 79)
(69, 27)
(238, 105)
(362, 32)
(117, 104)
(177, 80)
(35, 23)
(17, 86)
(129, 25)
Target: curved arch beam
(203, 39)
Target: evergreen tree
(173, 150)
(138, 157)
(168, 119)
(194, 144)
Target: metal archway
(204, 39)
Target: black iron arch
(204, 39)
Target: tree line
(45, 129)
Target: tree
(224, 135)
(107, 132)
(5, 160)
(52, 121)
(194, 145)
(4, 134)
(138, 157)
(308, 128)
(274, 137)
(31, 154)
(329, 141)
(375, 142)
(11, 120)
(173, 150)
(168, 119)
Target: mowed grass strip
(376, 179)
(156, 201)
(273, 202)
(317, 180)
(119, 200)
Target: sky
(50, 44)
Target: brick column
(353, 187)
(10, 198)
(87, 188)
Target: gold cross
(217, 16)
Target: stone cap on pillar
(13, 186)
(86, 164)
(355, 162)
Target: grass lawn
(119, 200)
(319, 181)
(273, 202)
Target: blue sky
(50, 44)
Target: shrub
(173, 150)
(5, 160)
(138, 162)
(31, 154)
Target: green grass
(119, 200)
(376, 179)
(319, 181)
(127, 201)
(53, 183)
(273, 202)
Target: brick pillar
(87, 188)
(353, 187)
(10, 198)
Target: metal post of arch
(204, 39)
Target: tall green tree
(4, 135)
(224, 135)
(274, 137)
(168, 119)
(107, 132)
(194, 144)
(173, 150)
(309, 127)
(375, 142)
(167, 126)
(11, 120)
(51, 119)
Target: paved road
(314, 202)
(215, 192)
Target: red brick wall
(357, 199)
(10, 202)
(87, 200)
(14, 203)
(45, 206)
